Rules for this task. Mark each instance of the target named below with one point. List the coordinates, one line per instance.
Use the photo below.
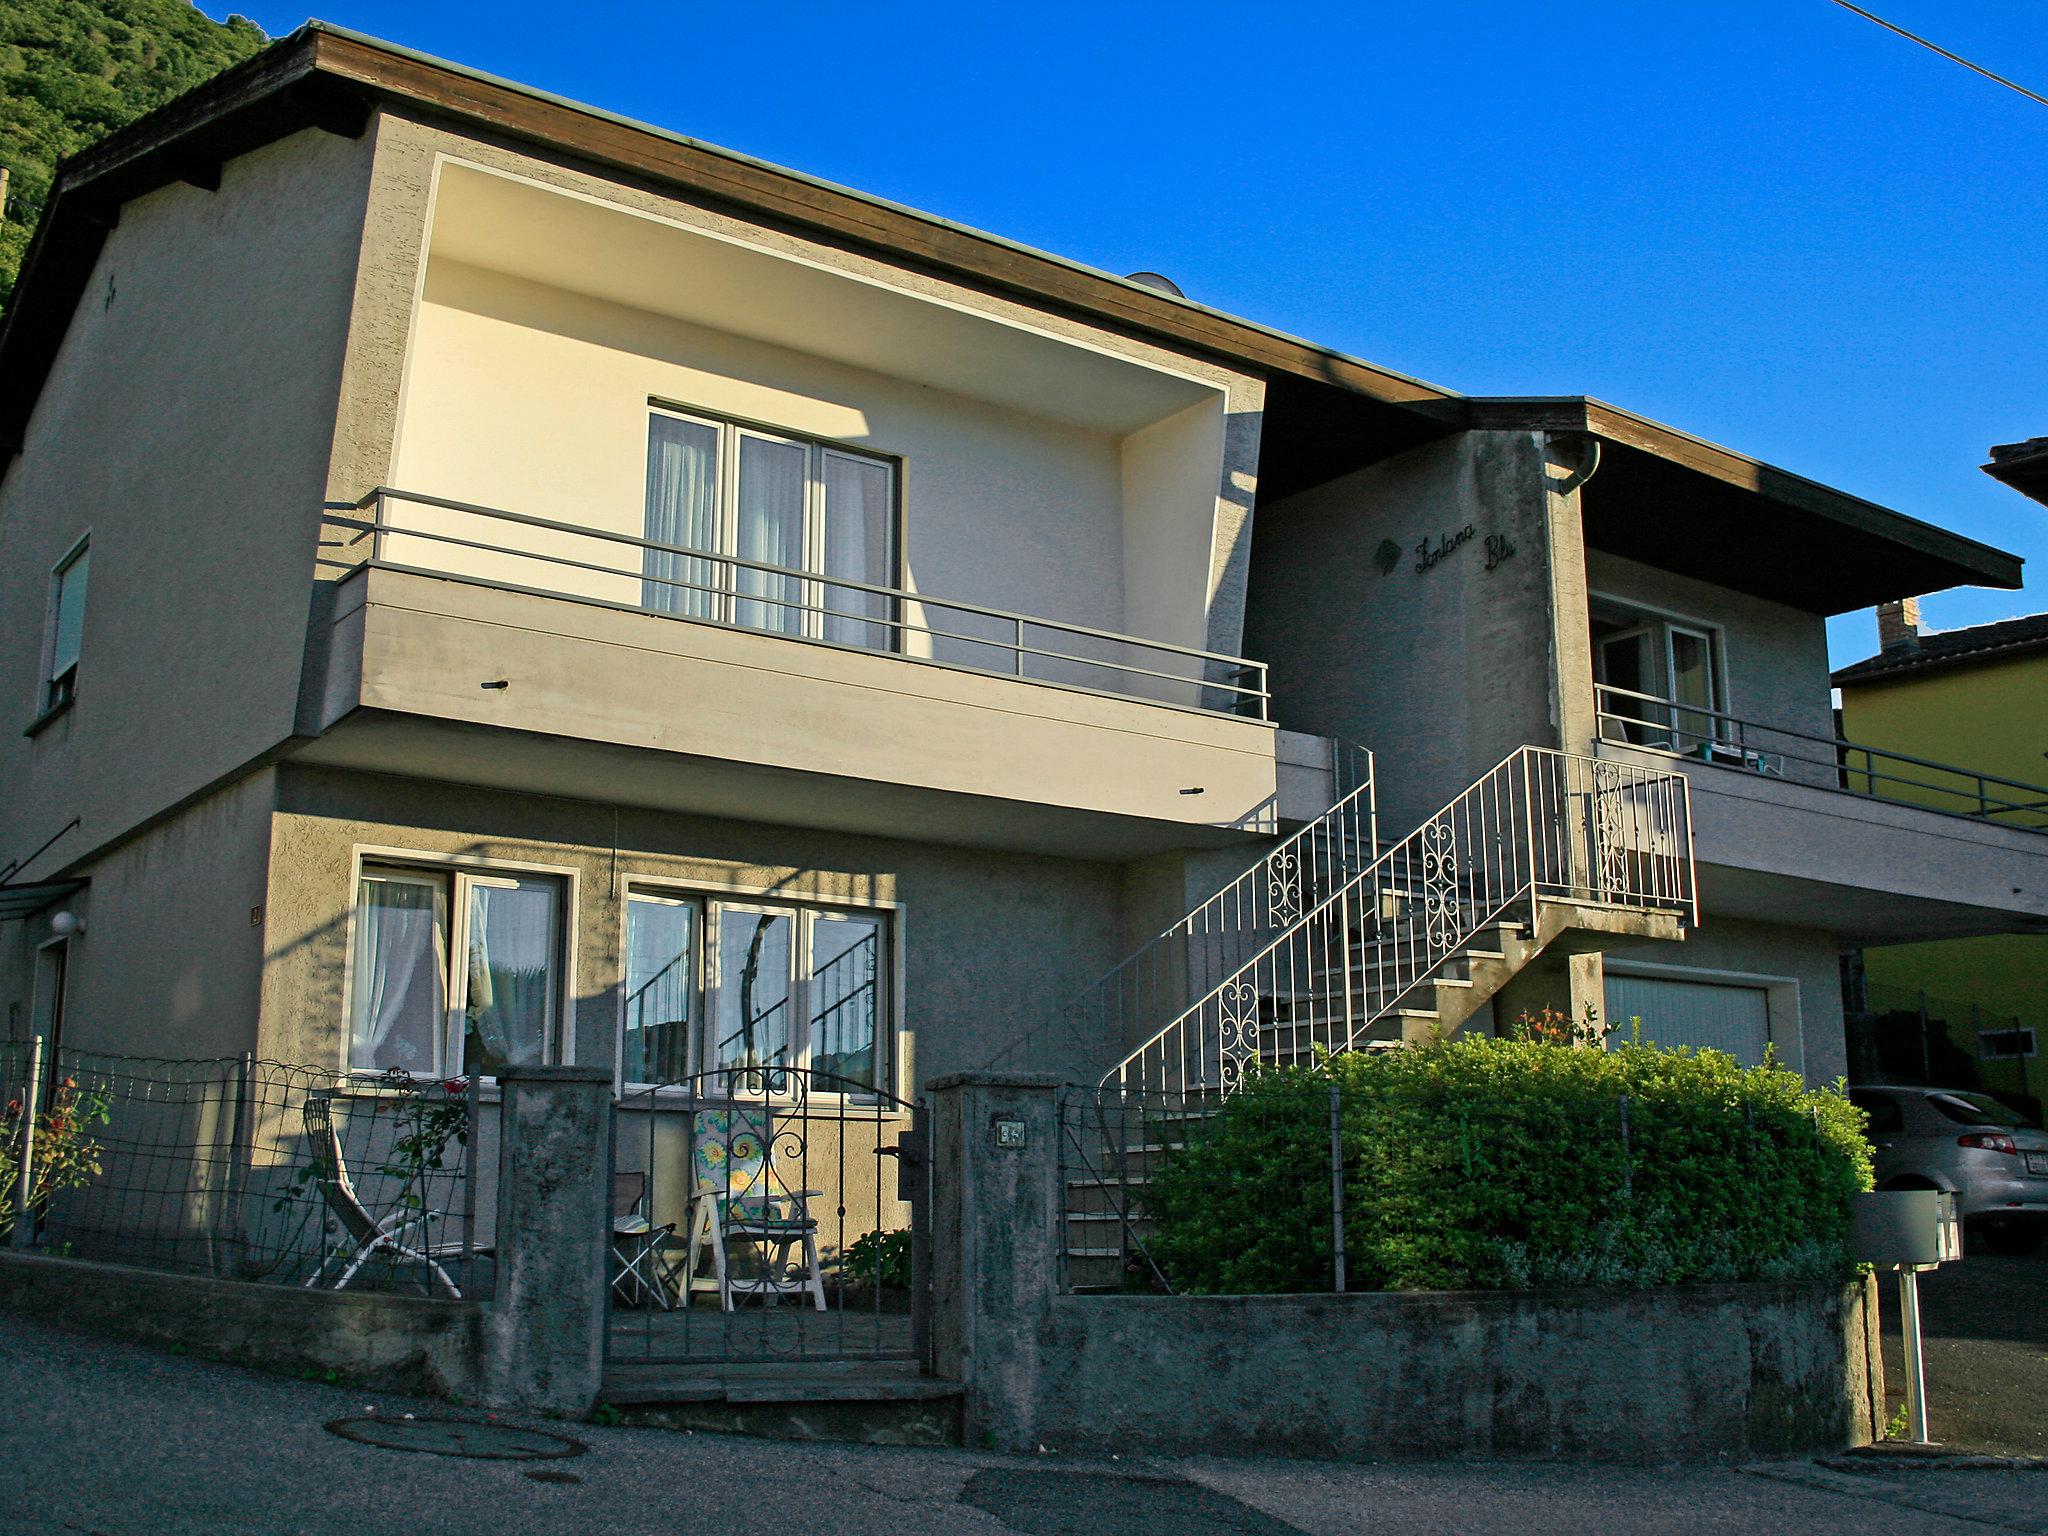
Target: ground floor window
(454, 971)
(714, 983)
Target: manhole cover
(457, 1437)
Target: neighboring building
(2023, 466)
(1978, 696)
(804, 629)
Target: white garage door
(1734, 1019)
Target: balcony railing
(1829, 762)
(435, 536)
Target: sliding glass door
(823, 516)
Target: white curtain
(511, 973)
(682, 508)
(771, 530)
(400, 966)
(860, 519)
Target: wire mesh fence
(241, 1169)
(1306, 1184)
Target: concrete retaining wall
(398, 1343)
(1672, 1373)
(1678, 1373)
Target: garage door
(1734, 1019)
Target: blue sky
(1765, 221)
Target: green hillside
(72, 71)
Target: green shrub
(1501, 1164)
(879, 1259)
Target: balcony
(664, 675)
(1873, 845)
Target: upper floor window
(1662, 681)
(716, 984)
(454, 971)
(812, 510)
(66, 626)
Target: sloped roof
(2023, 466)
(1953, 648)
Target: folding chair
(638, 1271)
(399, 1236)
(740, 1198)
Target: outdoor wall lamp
(67, 924)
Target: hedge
(1504, 1165)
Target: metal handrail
(1539, 824)
(1988, 806)
(1151, 984)
(1243, 680)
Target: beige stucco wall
(1002, 519)
(993, 943)
(186, 426)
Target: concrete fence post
(544, 1330)
(996, 1218)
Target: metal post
(235, 1237)
(1337, 1183)
(1916, 1361)
(472, 1162)
(31, 1094)
(1017, 651)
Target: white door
(1726, 1017)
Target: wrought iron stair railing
(1348, 948)
(1158, 981)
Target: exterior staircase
(1331, 944)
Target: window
(714, 984)
(67, 627)
(1979, 1109)
(1886, 1117)
(1661, 681)
(818, 511)
(2005, 1044)
(454, 971)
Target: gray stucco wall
(993, 943)
(186, 425)
(172, 953)
(1441, 672)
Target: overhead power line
(1955, 58)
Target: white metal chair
(739, 1198)
(637, 1269)
(400, 1236)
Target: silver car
(1990, 1156)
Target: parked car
(1989, 1155)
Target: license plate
(2037, 1162)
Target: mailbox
(1906, 1229)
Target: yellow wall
(1992, 717)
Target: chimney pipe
(1898, 624)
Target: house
(486, 582)
(1977, 695)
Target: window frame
(55, 691)
(890, 1037)
(724, 602)
(460, 872)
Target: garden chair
(638, 1272)
(400, 1236)
(740, 1199)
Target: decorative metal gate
(769, 1214)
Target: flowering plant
(1553, 1026)
(64, 1155)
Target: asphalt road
(109, 1439)
(1985, 1323)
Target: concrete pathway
(108, 1438)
